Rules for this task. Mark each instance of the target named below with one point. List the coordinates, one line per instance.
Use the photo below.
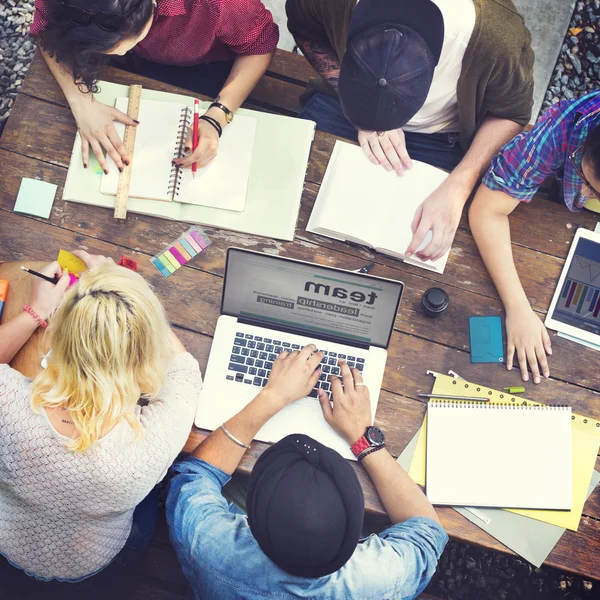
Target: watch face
(375, 436)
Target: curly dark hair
(82, 49)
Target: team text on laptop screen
(315, 299)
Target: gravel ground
(465, 572)
(577, 69)
(16, 50)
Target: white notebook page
(499, 456)
(221, 184)
(155, 142)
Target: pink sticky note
(199, 240)
(193, 243)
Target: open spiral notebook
(160, 137)
(501, 455)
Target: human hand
(387, 150)
(208, 142)
(92, 260)
(45, 297)
(351, 412)
(97, 130)
(526, 334)
(294, 374)
(439, 213)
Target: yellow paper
(586, 442)
(69, 261)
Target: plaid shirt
(523, 164)
(189, 32)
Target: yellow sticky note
(69, 261)
(586, 442)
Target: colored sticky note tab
(35, 198)
(200, 240)
(166, 263)
(182, 251)
(178, 257)
(193, 243)
(69, 261)
(172, 259)
(188, 247)
(161, 268)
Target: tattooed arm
(323, 59)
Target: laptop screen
(304, 296)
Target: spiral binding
(490, 406)
(185, 122)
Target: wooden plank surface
(291, 67)
(28, 149)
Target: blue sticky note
(35, 198)
(486, 339)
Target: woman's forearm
(245, 74)
(14, 334)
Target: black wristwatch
(372, 440)
(228, 113)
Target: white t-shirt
(440, 111)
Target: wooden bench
(37, 142)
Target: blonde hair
(110, 347)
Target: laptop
(271, 304)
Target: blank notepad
(499, 455)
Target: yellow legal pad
(586, 442)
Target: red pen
(195, 133)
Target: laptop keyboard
(252, 358)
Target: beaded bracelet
(214, 123)
(368, 451)
(43, 324)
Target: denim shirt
(221, 558)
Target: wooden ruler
(133, 110)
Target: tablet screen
(579, 302)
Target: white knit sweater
(66, 514)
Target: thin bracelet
(368, 451)
(41, 322)
(233, 438)
(214, 123)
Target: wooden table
(37, 143)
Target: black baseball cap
(392, 50)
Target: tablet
(575, 307)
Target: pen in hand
(54, 280)
(195, 133)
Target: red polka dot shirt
(189, 32)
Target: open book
(362, 203)
(160, 137)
